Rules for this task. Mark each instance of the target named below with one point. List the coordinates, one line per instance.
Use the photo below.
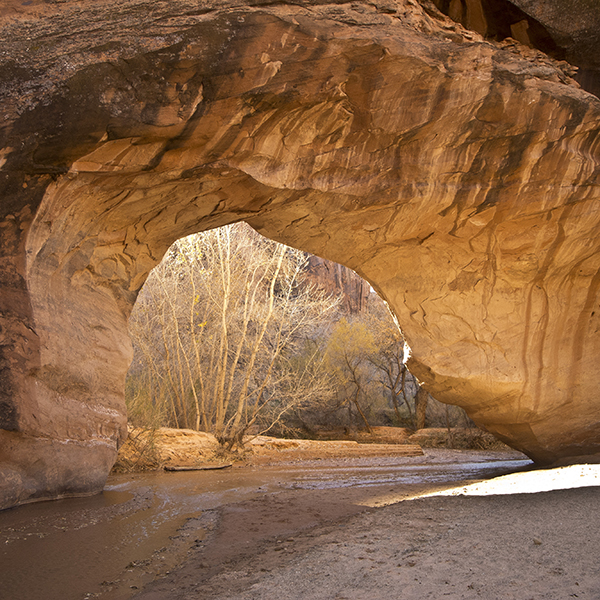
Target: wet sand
(317, 529)
(348, 546)
(539, 546)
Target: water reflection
(404, 474)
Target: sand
(354, 544)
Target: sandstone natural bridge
(459, 175)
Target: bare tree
(215, 328)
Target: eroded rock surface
(460, 177)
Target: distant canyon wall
(458, 175)
(338, 280)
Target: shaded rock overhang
(564, 29)
(459, 176)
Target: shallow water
(340, 477)
(85, 548)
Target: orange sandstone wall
(457, 175)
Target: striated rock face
(459, 177)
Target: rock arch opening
(234, 334)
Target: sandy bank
(518, 546)
(155, 449)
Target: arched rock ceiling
(458, 176)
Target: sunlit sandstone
(460, 177)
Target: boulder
(171, 449)
(458, 175)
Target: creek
(144, 525)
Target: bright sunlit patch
(531, 482)
(407, 352)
